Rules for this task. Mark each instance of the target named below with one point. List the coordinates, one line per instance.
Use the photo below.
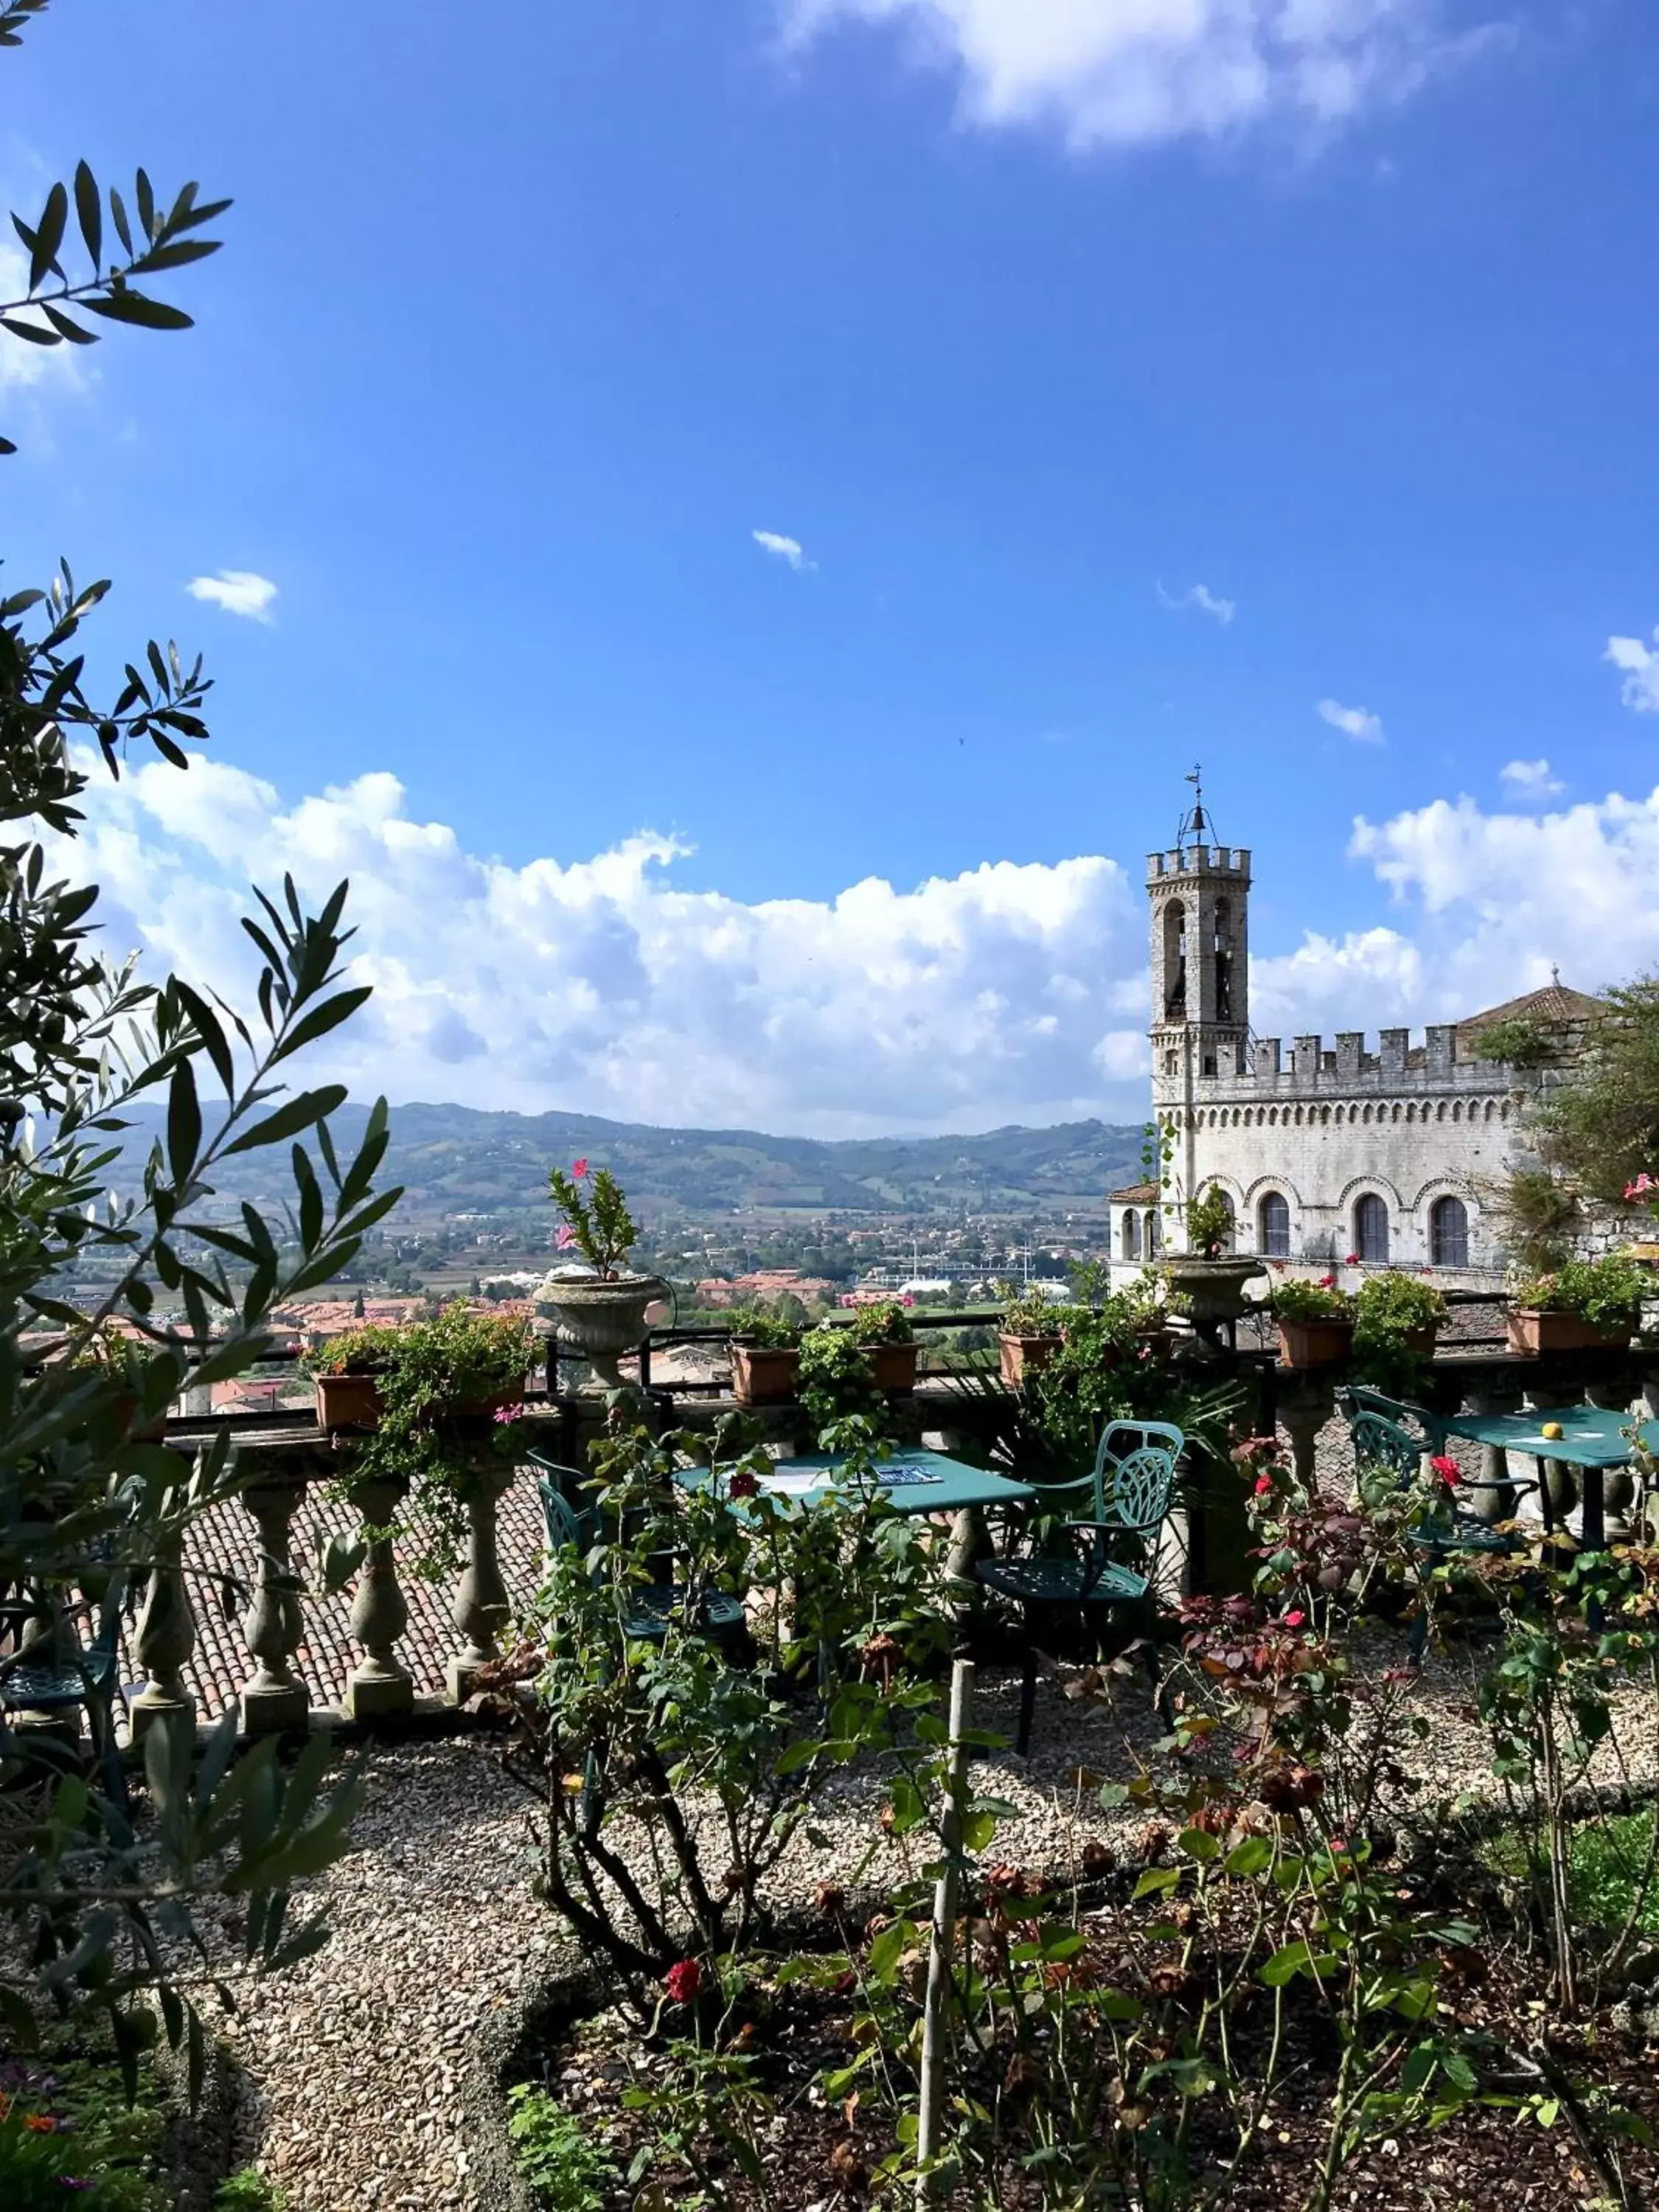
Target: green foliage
(1210, 1223)
(1607, 1294)
(64, 2123)
(1521, 1042)
(1540, 1214)
(597, 1222)
(886, 1323)
(712, 1744)
(836, 1381)
(1114, 1364)
(1600, 1125)
(1028, 1313)
(248, 2190)
(1391, 1308)
(557, 2153)
(88, 1505)
(766, 1326)
(1295, 1300)
(369, 1350)
(439, 1381)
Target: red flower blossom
(1352, 1260)
(1294, 1619)
(1447, 1469)
(682, 1981)
(745, 1482)
(1327, 1282)
(578, 1169)
(1264, 1483)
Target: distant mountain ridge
(464, 1159)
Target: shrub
(1296, 1301)
(1210, 1223)
(764, 1326)
(887, 1323)
(597, 1223)
(249, 2190)
(1390, 1310)
(1028, 1313)
(836, 1380)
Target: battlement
(1312, 1068)
(1200, 859)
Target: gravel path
(357, 2055)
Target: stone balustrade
(284, 1462)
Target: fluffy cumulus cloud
(1131, 71)
(1640, 665)
(238, 591)
(1530, 778)
(1010, 993)
(1488, 904)
(1356, 722)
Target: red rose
(682, 1981)
(1448, 1470)
(745, 1482)
(1264, 1483)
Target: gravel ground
(357, 2056)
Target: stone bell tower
(1199, 895)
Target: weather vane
(1195, 828)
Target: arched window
(1175, 962)
(1273, 1221)
(1448, 1233)
(1371, 1228)
(1223, 960)
(1131, 1234)
(1154, 1234)
(1230, 1242)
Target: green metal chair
(1384, 1445)
(652, 1605)
(60, 1673)
(1129, 1487)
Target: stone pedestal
(482, 1607)
(164, 1643)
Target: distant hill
(456, 1159)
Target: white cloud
(783, 549)
(20, 362)
(1356, 722)
(1122, 72)
(1640, 688)
(238, 591)
(1530, 778)
(1008, 993)
(1202, 598)
(1488, 904)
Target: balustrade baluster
(379, 1685)
(482, 1606)
(164, 1643)
(1499, 1503)
(274, 1698)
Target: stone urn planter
(1534, 1329)
(600, 1320)
(1020, 1356)
(1314, 1343)
(1214, 1289)
(764, 1374)
(893, 1368)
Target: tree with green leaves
(101, 1914)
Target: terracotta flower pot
(1020, 1356)
(1314, 1343)
(347, 1402)
(1533, 1329)
(893, 1368)
(764, 1374)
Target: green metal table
(1592, 1438)
(912, 1480)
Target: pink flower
(1448, 1470)
(682, 1981)
(1294, 1619)
(1641, 1187)
(566, 1237)
(578, 1169)
(503, 1414)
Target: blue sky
(529, 319)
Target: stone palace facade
(1327, 1153)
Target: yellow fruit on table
(1551, 1430)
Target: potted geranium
(1030, 1335)
(1315, 1322)
(601, 1313)
(883, 1332)
(345, 1376)
(765, 1356)
(1586, 1305)
(1210, 1279)
(1396, 1316)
